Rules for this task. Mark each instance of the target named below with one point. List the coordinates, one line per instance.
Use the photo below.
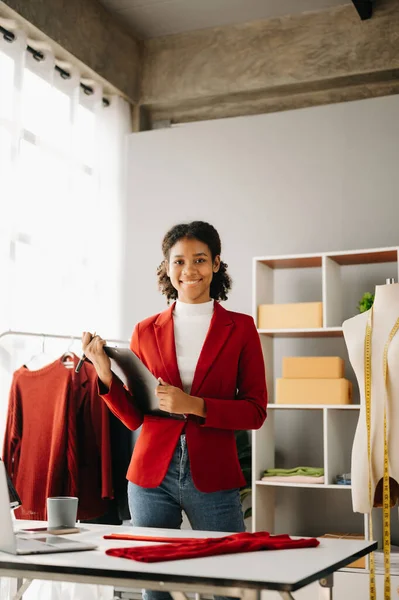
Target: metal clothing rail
(56, 336)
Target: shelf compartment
(297, 261)
(347, 276)
(274, 406)
(319, 332)
(286, 281)
(289, 449)
(362, 257)
(322, 486)
(331, 511)
(339, 432)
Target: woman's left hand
(172, 399)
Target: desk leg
(247, 594)
(178, 595)
(21, 588)
(286, 595)
(326, 588)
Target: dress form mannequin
(385, 314)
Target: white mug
(62, 511)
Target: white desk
(243, 575)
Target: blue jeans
(162, 506)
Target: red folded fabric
(196, 548)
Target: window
(49, 197)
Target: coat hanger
(68, 358)
(37, 354)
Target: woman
(211, 371)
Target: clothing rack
(52, 336)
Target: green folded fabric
(308, 471)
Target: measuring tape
(386, 492)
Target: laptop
(139, 381)
(19, 543)
(15, 500)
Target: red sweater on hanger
(57, 440)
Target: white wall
(309, 180)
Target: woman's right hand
(93, 348)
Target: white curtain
(62, 204)
(61, 197)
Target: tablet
(138, 380)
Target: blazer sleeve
(13, 433)
(118, 398)
(248, 409)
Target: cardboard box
(313, 391)
(359, 563)
(313, 367)
(305, 315)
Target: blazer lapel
(219, 331)
(165, 337)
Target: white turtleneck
(191, 324)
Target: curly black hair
(206, 233)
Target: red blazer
(230, 377)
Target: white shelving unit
(311, 435)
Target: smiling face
(191, 268)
